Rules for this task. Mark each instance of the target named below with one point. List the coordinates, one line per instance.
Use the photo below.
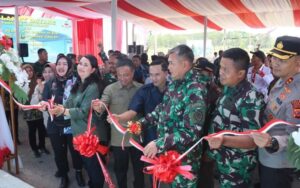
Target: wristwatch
(274, 146)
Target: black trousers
(275, 178)
(206, 174)
(60, 144)
(93, 168)
(33, 126)
(16, 112)
(121, 166)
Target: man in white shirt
(259, 74)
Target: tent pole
(155, 43)
(17, 35)
(114, 24)
(12, 105)
(133, 40)
(126, 37)
(205, 37)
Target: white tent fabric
(5, 135)
(177, 14)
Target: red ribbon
(115, 122)
(264, 129)
(88, 145)
(4, 152)
(6, 42)
(49, 104)
(166, 167)
(133, 128)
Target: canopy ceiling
(177, 14)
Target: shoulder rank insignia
(290, 80)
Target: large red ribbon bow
(88, 145)
(166, 167)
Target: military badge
(279, 45)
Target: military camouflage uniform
(109, 78)
(238, 109)
(179, 119)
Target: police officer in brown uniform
(283, 103)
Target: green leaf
(5, 73)
(19, 94)
(293, 152)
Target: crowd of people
(177, 100)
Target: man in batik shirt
(238, 109)
(180, 116)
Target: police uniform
(284, 104)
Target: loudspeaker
(139, 49)
(131, 49)
(23, 50)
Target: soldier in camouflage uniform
(108, 69)
(238, 109)
(180, 116)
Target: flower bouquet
(10, 68)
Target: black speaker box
(131, 49)
(139, 49)
(23, 50)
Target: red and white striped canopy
(177, 14)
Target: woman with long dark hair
(59, 130)
(88, 87)
(34, 118)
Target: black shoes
(37, 154)
(57, 174)
(64, 182)
(44, 150)
(79, 178)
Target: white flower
(11, 67)
(13, 56)
(5, 58)
(296, 137)
(11, 61)
(22, 80)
